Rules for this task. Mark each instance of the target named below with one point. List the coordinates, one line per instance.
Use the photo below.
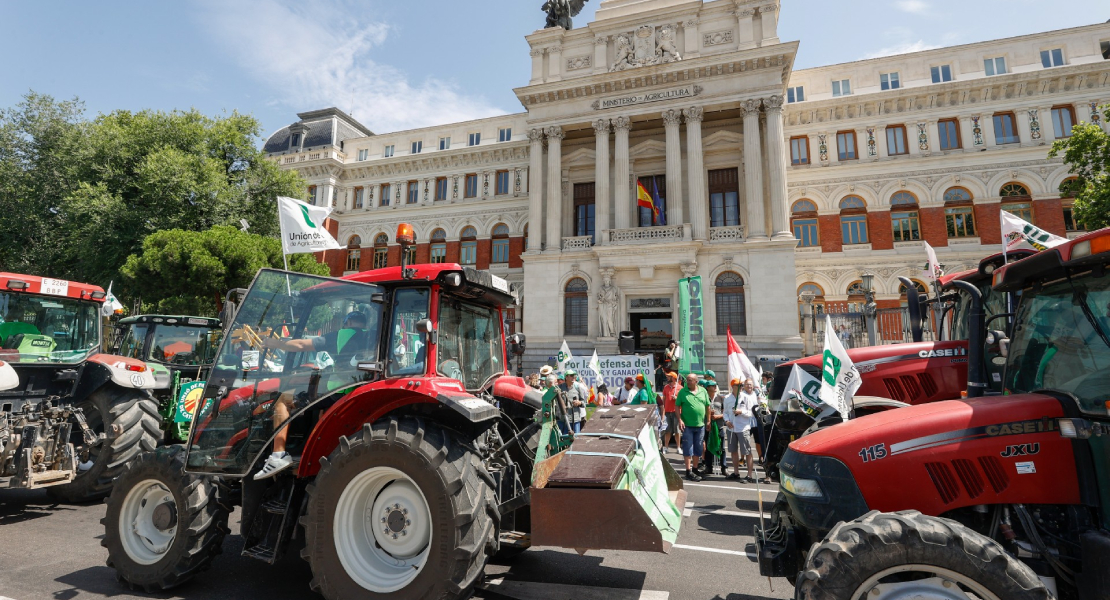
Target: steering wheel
(451, 368)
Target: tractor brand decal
(872, 453)
(867, 366)
(1026, 468)
(188, 398)
(1019, 427)
(1021, 450)
(942, 353)
(974, 433)
(41, 343)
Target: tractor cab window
(185, 346)
(994, 303)
(296, 340)
(47, 329)
(470, 346)
(1062, 342)
(131, 346)
(407, 346)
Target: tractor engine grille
(967, 477)
(910, 388)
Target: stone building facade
(769, 181)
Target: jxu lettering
(1021, 450)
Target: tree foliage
(1087, 154)
(188, 272)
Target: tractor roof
(987, 266)
(32, 284)
(182, 320)
(475, 283)
(1073, 256)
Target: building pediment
(648, 149)
(722, 139)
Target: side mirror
(517, 344)
(424, 326)
(999, 337)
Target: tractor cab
(50, 327)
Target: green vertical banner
(691, 327)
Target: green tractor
(179, 351)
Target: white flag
(932, 268)
(595, 366)
(739, 366)
(806, 389)
(302, 227)
(1018, 234)
(111, 305)
(563, 356)
(839, 377)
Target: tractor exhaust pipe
(913, 305)
(976, 373)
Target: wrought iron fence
(892, 327)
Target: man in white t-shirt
(738, 414)
(626, 393)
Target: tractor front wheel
(403, 510)
(888, 556)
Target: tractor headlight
(803, 488)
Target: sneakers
(276, 463)
(693, 476)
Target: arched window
(853, 220)
(468, 249)
(903, 217)
(818, 302)
(439, 246)
(803, 219)
(500, 235)
(959, 213)
(917, 284)
(381, 251)
(729, 298)
(857, 297)
(1016, 201)
(1014, 190)
(576, 307)
(354, 254)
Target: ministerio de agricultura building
(771, 181)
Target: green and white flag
(1018, 234)
(563, 356)
(839, 377)
(302, 227)
(806, 389)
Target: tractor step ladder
(273, 524)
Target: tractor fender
(8, 377)
(124, 372)
(514, 388)
(163, 377)
(371, 402)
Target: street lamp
(870, 309)
(807, 320)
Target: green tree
(1087, 154)
(188, 272)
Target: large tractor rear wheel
(888, 556)
(131, 421)
(403, 510)
(162, 526)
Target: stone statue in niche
(667, 50)
(646, 46)
(560, 12)
(607, 299)
(625, 55)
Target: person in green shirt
(643, 396)
(692, 407)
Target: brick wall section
(879, 230)
(452, 252)
(367, 261)
(987, 223)
(394, 256)
(336, 260)
(828, 229)
(484, 252)
(1049, 215)
(933, 229)
(516, 248)
(423, 254)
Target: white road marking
(724, 513)
(715, 550)
(769, 488)
(526, 590)
(689, 509)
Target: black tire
(136, 414)
(458, 491)
(201, 522)
(855, 551)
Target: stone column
(693, 38)
(753, 171)
(601, 180)
(535, 189)
(537, 65)
(622, 199)
(699, 215)
(671, 122)
(770, 15)
(987, 124)
(913, 142)
(554, 187)
(601, 57)
(554, 60)
(1048, 131)
(934, 137)
(776, 162)
(882, 148)
(745, 28)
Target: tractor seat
(11, 328)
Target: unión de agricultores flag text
(691, 325)
(839, 377)
(302, 227)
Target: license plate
(54, 287)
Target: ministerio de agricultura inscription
(686, 91)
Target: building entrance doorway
(653, 330)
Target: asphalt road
(52, 552)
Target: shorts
(693, 441)
(672, 423)
(740, 443)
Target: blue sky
(402, 63)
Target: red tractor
(74, 417)
(1001, 496)
(418, 455)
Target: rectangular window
(846, 145)
(896, 140)
(381, 258)
(949, 134)
(387, 152)
(806, 232)
(353, 257)
(414, 192)
(995, 66)
(889, 81)
(417, 147)
(853, 229)
(474, 139)
(312, 195)
(360, 195)
(439, 253)
(1052, 58)
(1063, 119)
(584, 194)
(960, 221)
(795, 94)
(385, 196)
(841, 87)
(501, 186)
(1070, 223)
(906, 226)
(468, 253)
(1105, 47)
(410, 255)
(799, 150)
(445, 143)
(500, 251)
(653, 184)
(471, 188)
(441, 188)
(1005, 132)
(295, 143)
(1021, 210)
(724, 198)
(505, 134)
(941, 73)
(363, 154)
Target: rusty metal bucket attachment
(612, 490)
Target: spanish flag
(644, 200)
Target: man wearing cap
(739, 407)
(625, 394)
(692, 407)
(643, 396)
(716, 419)
(670, 394)
(577, 396)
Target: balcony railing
(733, 233)
(581, 242)
(640, 235)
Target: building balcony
(578, 243)
(733, 233)
(648, 235)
